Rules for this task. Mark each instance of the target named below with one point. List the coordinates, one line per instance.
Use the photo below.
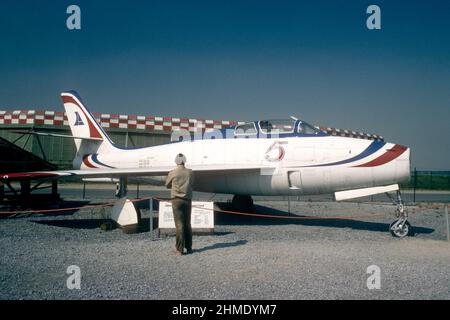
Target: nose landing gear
(401, 227)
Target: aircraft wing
(132, 172)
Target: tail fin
(83, 125)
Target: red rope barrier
(68, 209)
(259, 215)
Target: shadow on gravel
(222, 245)
(73, 223)
(144, 225)
(231, 219)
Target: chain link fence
(428, 180)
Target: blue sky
(241, 60)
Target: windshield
(306, 128)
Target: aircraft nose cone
(402, 163)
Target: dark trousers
(182, 216)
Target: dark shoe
(189, 251)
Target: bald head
(180, 159)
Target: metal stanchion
(446, 220)
(151, 217)
(289, 205)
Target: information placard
(202, 216)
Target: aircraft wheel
(400, 233)
(242, 203)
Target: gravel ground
(247, 258)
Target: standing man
(180, 181)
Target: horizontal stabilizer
(358, 193)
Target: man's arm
(169, 180)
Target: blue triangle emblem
(78, 121)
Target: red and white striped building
(142, 123)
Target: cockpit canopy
(279, 126)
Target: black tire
(242, 203)
(406, 230)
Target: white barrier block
(124, 213)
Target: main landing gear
(242, 203)
(400, 228)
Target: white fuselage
(301, 165)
